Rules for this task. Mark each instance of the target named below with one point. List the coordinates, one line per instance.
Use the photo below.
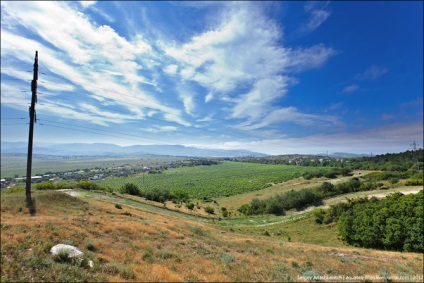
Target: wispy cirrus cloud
(241, 62)
(87, 48)
(350, 88)
(86, 4)
(373, 72)
(292, 115)
(159, 129)
(318, 14)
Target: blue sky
(271, 77)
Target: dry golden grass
(135, 245)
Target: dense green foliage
(414, 182)
(328, 173)
(87, 185)
(84, 185)
(390, 161)
(304, 197)
(176, 196)
(393, 223)
(387, 162)
(225, 179)
(386, 175)
(130, 189)
(54, 186)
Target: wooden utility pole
(33, 119)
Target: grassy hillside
(130, 242)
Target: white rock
(73, 251)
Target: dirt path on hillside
(291, 216)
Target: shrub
(87, 185)
(209, 209)
(273, 207)
(90, 246)
(63, 186)
(179, 196)
(414, 182)
(319, 215)
(228, 258)
(45, 186)
(118, 206)
(130, 189)
(224, 211)
(190, 205)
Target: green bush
(319, 215)
(209, 210)
(393, 223)
(87, 185)
(414, 182)
(130, 189)
(45, 186)
(63, 186)
(13, 190)
(274, 207)
(224, 211)
(190, 205)
(90, 246)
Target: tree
(130, 189)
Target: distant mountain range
(104, 149)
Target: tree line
(305, 197)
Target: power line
(13, 118)
(113, 132)
(10, 124)
(146, 117)
(137, 98)
(146, 106)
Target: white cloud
(372, 73)
(244, 52)
(255, 103)
(107, 17)
(159, 129)
(87, 48)
(86, 4)
(317, 15)
(188, 101)
(291, 114)
(171, 69)
(350, 88)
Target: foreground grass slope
(129, 244)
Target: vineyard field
(226, 179)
